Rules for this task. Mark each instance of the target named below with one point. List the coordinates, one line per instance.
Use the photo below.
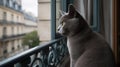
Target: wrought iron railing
(12, 37)
(4, 21)
(46, 55)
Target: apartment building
(13, 26)
(30, 22)
(44, 19)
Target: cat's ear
(61, 12)
(71, 11)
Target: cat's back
(97, 53)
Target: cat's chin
(64, 34)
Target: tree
(31, 39)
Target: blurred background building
(14, 25)
(44, 21)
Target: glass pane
(58, 8)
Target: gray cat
(86, 48)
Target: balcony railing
(4, 21)
(46, 55)
(12, 37)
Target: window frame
(96, 14)
(64, 5)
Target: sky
(30, 6)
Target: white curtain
(107, 14)
(79, 5)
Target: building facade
(44, 19)
(30, 22)
(13, 27)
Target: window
(4, 16)
(19, 7)
(12, 17)
(56, 6)
(8, 3)
(18, 46)
(17, 18)
(12, 46)
(1, 2)
(12, 29)
(14, 5)
(11, 3)
(61, 5)
(4, 32)
(4, 2)
(4, 51)
(4, 48)
(17, 29)
(90, 10)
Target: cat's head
(71, 22)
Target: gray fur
(86, 48)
